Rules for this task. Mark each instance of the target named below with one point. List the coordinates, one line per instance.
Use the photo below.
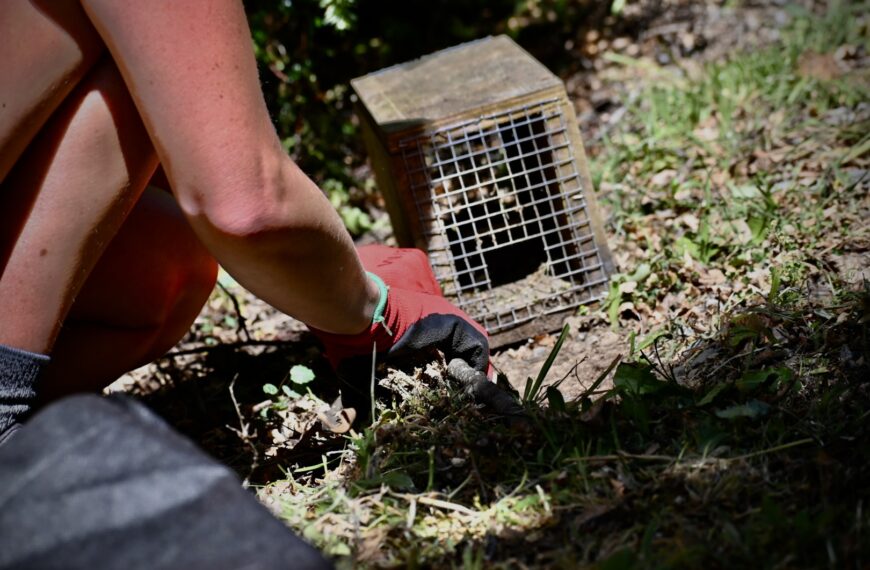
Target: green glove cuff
(378, 316)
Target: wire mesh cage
(493, 187)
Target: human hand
(413, 319)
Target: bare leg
(47, 48)
(138, 302)
(63, 202)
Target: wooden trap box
(477, 152)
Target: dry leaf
(712, 277)
(691, 221)
(818, 66)
(663, 178)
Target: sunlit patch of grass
(754, 456)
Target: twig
(684, 171)
(573, 371)
(244, 434)
(412, 513)
(437, 503)
(624, 455)
(241, 323)
(614, 119)
(728, 361)
(591, 389)
(782, 447)
(455, 491)
(476, 472)
(666, 368)
(665, 29)
(225, 346)
(648, 457)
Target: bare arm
(191, 71)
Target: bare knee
(153, 275)
(91, 353)
(195, 282)
(181, 275)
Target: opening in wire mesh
(501, 206)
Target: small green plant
(285, 392)
(623, 287)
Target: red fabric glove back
(400, 268)
(416, 317)
(408, 311)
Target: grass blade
(601, 378)
(532, 394)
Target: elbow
(244, 205)
(244, 218)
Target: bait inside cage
(478, 155)
(501, 204)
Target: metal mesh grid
(501, 207)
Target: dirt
(588, 351)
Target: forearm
(287, 245)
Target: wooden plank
(387, 178)
(452, 82)
(520, 333)
(393, 139)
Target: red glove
(412, 318)
(400, 268)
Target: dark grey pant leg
(92, 483)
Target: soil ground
(673, 34)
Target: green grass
(744, 157)
(732, 438)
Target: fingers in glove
(478, 386)
(451, 334)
